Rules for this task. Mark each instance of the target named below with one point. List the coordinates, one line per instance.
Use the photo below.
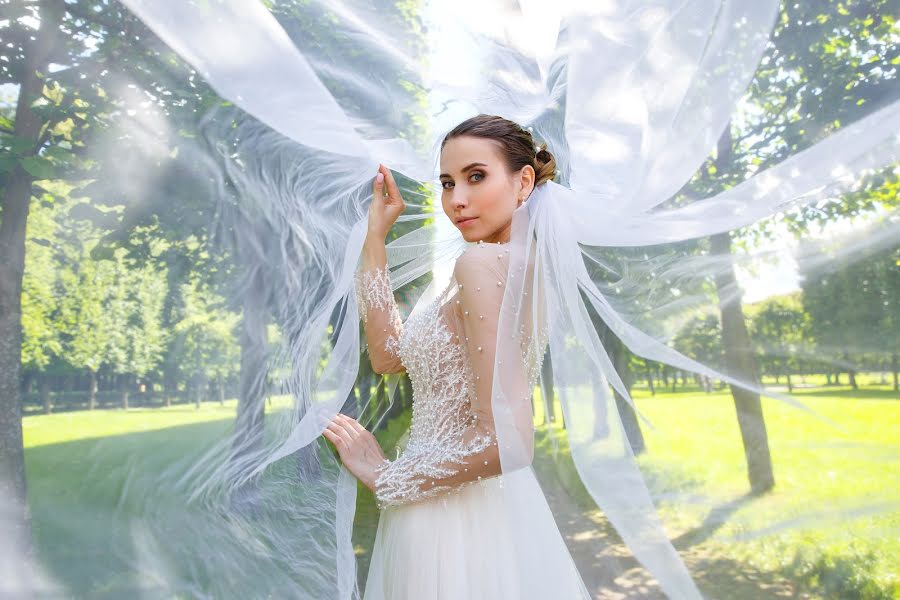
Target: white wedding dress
(446, 532)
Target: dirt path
(615, 574)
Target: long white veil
(640, 234)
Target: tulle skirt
(480, 543)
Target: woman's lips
(465, 222)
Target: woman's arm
(358, 448)
(374, 295)
(379, 311)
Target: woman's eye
(448, 184)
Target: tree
(779, 327)
(701, 339)
(21, 166)
(826, 64)
(851, 300)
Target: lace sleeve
(381, 318)
(468, 453)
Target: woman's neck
(501, 236)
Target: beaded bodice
(441, 378)
(443, 350)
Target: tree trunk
(249, 427)
(650, 378)
(851, 372)
(123, 389)
(14, 208)
(740, 363)
(626, 412)
(254, 342)
(92, 391)
(167, 384)
(45, 394)
(895, 368)
(739, 357)
(198, 390)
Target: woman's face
(479, 194)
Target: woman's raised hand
(386, 206)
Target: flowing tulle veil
(607, 261)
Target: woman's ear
(526, 180)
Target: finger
(337, 426)
(378, 186)
(333, 438)
(364, 435)
(378, 196)
(392, 188)
(340, 431)
(348, 424)
(355, 425)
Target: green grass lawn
(91, 462)
(831, 522)
(81, 468)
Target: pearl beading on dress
(443, 382)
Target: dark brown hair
(517, 145)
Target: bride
(444, 530)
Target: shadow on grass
(714, 520)
(846, 391)
(112, 519)
(84, 495)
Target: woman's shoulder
(482, 257)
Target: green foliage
(87, 311)
(124, 277)
(41, 340)
(701, 339)
(851, 299)
(827, 64)
(779, 328)
(207, 336)
(841, 572)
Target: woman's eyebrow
(466, 168)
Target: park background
(134, 350)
